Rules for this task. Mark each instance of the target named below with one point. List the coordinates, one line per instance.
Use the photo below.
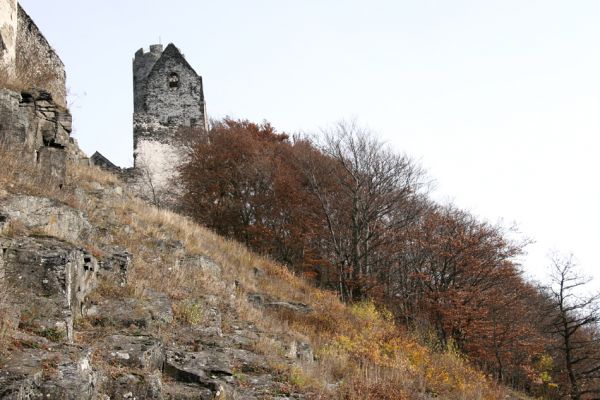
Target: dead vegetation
(360, 353)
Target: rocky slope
(104, 297)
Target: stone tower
(168, 96)
(8, 35)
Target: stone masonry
(8, 34)
(168, 96)
(36, 61)
(26, 58)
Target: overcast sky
(498, 100)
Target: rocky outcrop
(151, 310)
(36, 128)
(50, 280)
(62, 372)
(43, 215)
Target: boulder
(116, 262)
(186, 391)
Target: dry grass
(359, 348)
(360, 353)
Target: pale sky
(498, 100)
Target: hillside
(104, 296)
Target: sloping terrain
(104, 296)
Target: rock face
(151, 310)
(52, 279)
(46, 216)
(64, 372)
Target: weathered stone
(300, 350)
(38, 130)
(153, 308)
(264, 301)
(54, 161)
(186, 391)
(38, 60)
(168, 96)
(117, 262)
(142, 352)
(206, 368)
(133, 386)
(62, 373)
(202, 263)
(51, 279)
(47, 216)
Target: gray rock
(186, 391)
(300, 350)
(64, 373)
(117, 263)
(141, 352)
(47, 216)
(202, 263)
(264, 301)
(206, 368)
(51, 279)
(154, 308)
(133, 386)
(35, 127)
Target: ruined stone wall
(142, 65)
(174, 94)
(8, 35)
(32, 125)
(168, 95)
(37, 64)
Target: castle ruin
(26, 57)
(167, 96)
(34, 120)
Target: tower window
(173, 80)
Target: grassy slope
(360, 353)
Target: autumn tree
(575, 319)
(360, 184)
(238, 180)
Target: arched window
(173, 80)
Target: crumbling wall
(33, 125)
(168, 95)
(142, 65)
(37, 64)
(8, 36)
(174, 91)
